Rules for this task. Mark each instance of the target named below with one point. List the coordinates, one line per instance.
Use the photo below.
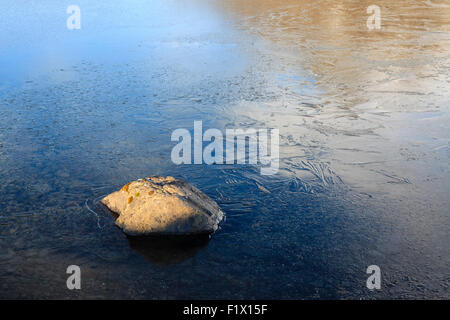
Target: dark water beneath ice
(364, 146)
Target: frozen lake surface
(364, 146)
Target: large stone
(163, 205)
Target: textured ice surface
(364, 125)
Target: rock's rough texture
(163, 205)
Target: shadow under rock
(165, 250)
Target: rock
(163, 205)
